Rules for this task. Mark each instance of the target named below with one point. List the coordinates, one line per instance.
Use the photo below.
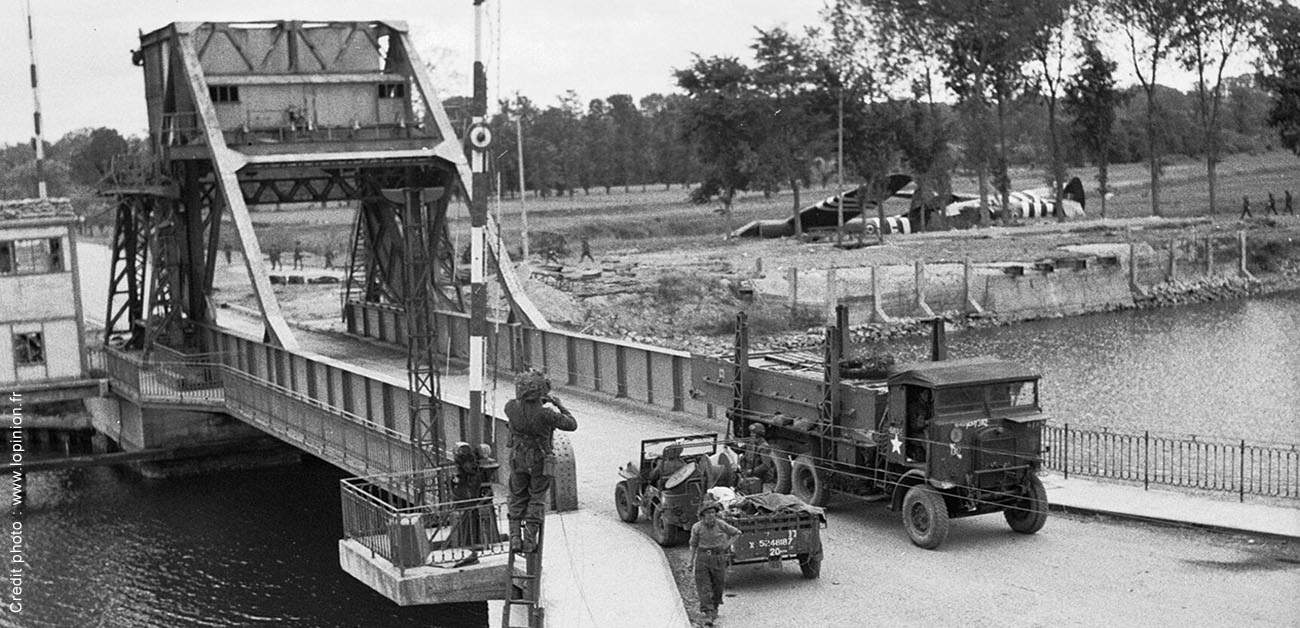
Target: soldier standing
(532, 460)
(586, 251)
(755, 459)
(297, 255)
(711, 540)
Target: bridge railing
(379, 515)
(326, 431)
(1180, 461)
(159, 378)
(655, 376)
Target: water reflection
(236, 549)
(1228, 370)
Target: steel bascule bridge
(307, 114)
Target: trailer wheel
(811, 567)
(1028, 515)
(807, 483)
(665, 534)
(781, 462)
(925, 516)
(627, 511)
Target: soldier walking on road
(532, 459)
(297, 255)
(711, 540)
(586, 251)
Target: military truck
(935, 441)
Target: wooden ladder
(525, 589)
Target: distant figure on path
(274, 254)
(1245, 207)
(329, 258)
(297, 255)
(1272, 205)
(227, 250)
(586, 251)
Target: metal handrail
(378, 514)
(1184, 461)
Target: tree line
(926, 87)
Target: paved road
(1077, 571)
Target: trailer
(935, 441)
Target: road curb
(1167, 522)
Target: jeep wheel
(665, 533)
(807, 483)
(811, 567)
(1028, 514)
(627, 511)
(925, 516)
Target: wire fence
(1193, 462)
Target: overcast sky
(596, 47)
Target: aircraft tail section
(1073, 191)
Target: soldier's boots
(516, 542)
(530, 536)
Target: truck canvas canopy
(950, 373)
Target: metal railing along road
(1186, 462)
(380, 514)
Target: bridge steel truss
(206, 172)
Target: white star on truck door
(896, 444)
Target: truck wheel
(925, 516)
(781, 462)
(1028, 515)
(811, 567)
(627, 511)
(665, 533)
(807, 483)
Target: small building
(41, 330)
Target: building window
(392, 90)
(29, 348)
(31, 257)
(224, 93)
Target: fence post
(1241, 473)
(1146, 460)
(792, 274)
(831, 286)
(1172, 271)
(1209, 256)
(1241, 256)
(1065, 457)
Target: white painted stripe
(476, 362)
(476, 255)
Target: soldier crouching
(532, 461)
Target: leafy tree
(1049, 58)
(1209, 34)
(1279, 70)
(1149, 28)
(720, 119)
(784, 78)
(598, 132)
(1091, 98)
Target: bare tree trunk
(1057, 169)
(1005, 192)
(1153, 159)
(798, 223)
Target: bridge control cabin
(286, 86)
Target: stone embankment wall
(1081, 279)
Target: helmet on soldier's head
(757, 429)
(531, 384)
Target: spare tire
(807, 482)
(781, 462)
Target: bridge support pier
(134, 427)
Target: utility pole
(480, 137)
(523, 203)
(38, 140)
(839, 177)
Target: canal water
(1229, 370)
(259, 547)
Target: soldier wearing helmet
(755, 457)
(532, 461)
